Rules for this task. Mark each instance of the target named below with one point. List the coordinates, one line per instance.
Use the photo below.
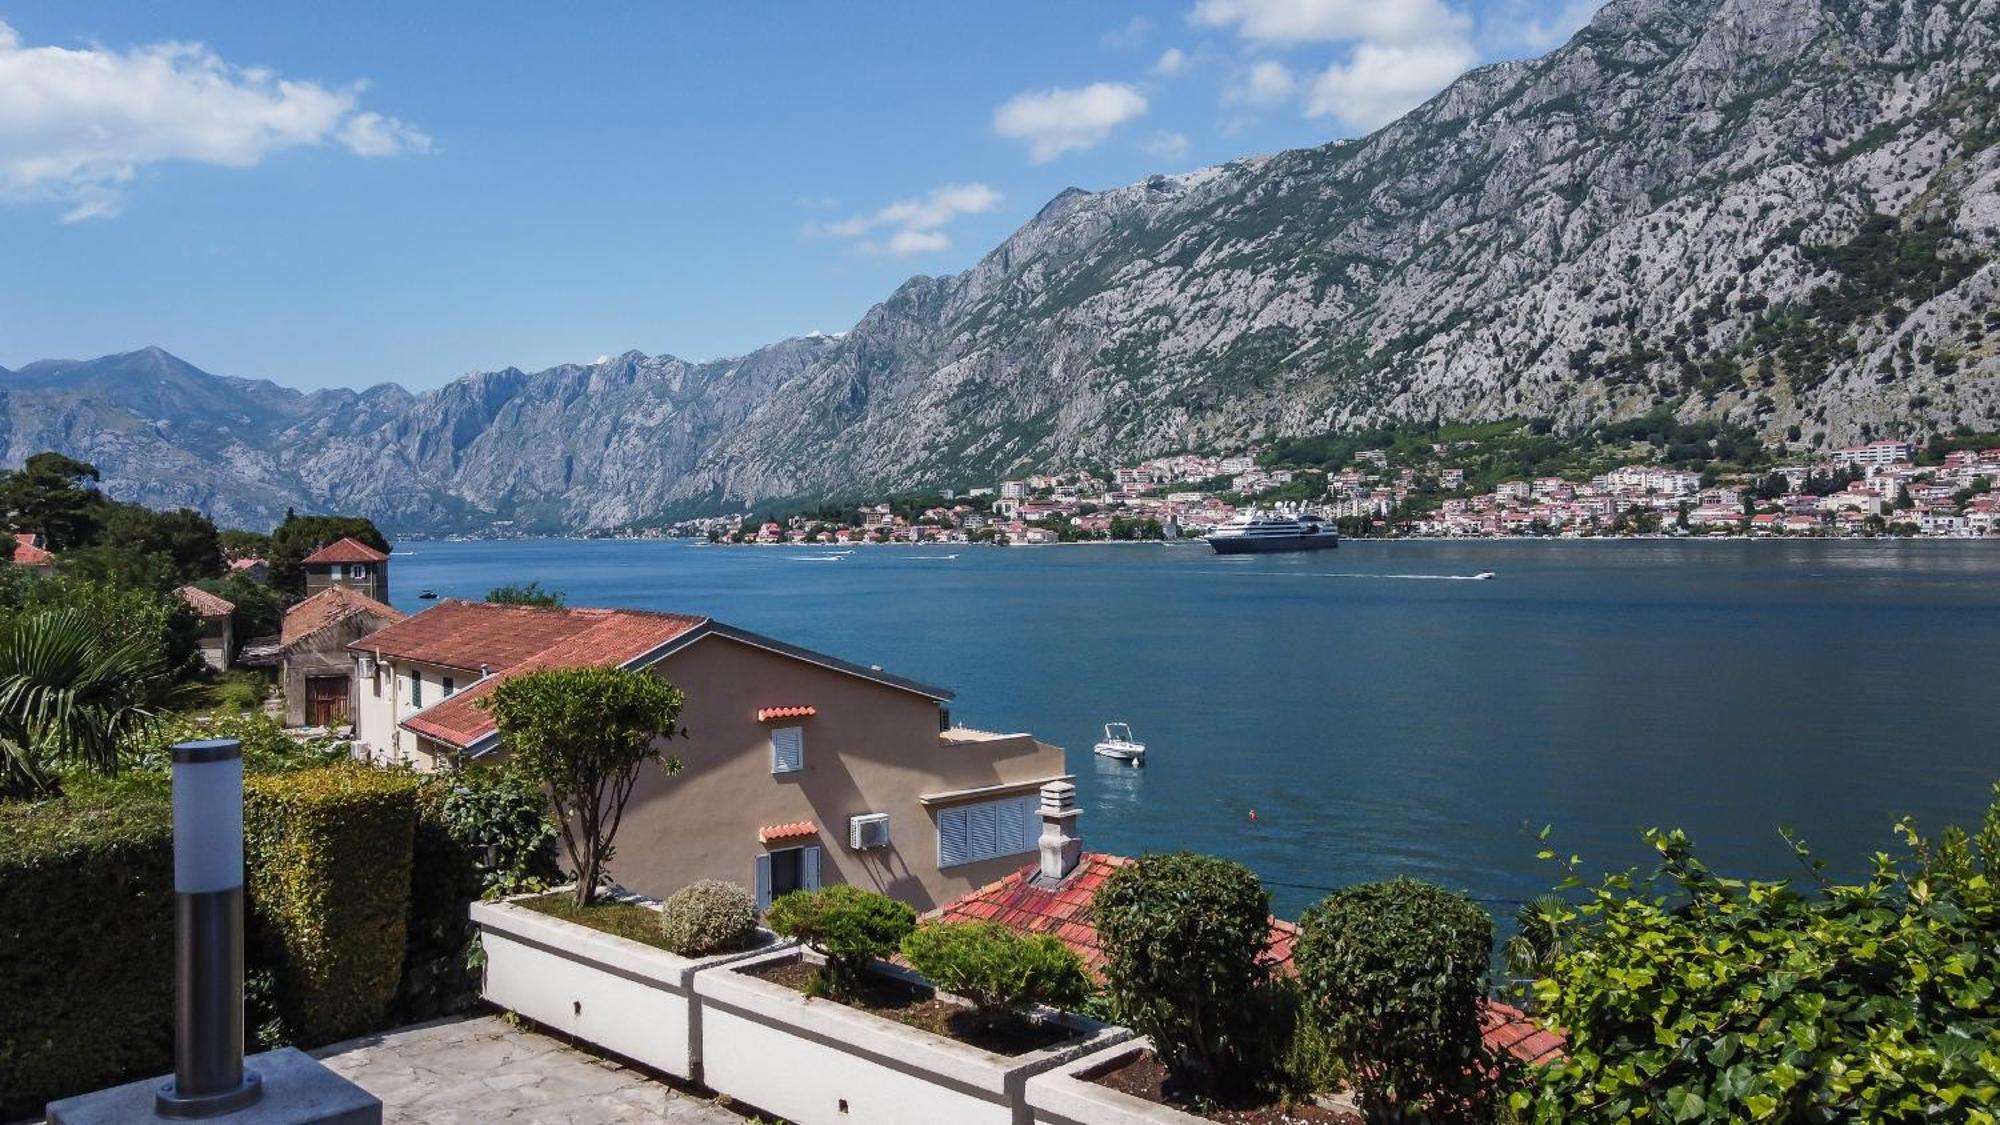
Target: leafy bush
(526, 593)
(1185, 935)
(329, 856)
(846, 925)
(267, 746)
(584, 733)
(1002, 971)
(709, 917)
(71, 694)
(1691, 997)
(86, 946)
(1397, 972)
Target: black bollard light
(209, 1077)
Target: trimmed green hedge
(86, 946)
(329, 856)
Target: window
(375, 681)
(335, 572)
(358, 570)
(416, 688)
(785, 870)
(988, 829)
(448, 688)
(788, 749)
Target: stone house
(315, 670)
(351, 564)
(218, 637)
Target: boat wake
(1482, 576)
(818, 558)
(931, 558)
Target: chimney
(1061, 847)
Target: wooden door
(326, 701)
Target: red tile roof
(798, 830)
(335, 603)
(1064, 911)
(509, 640)
(246, 564)
(766, 714)
(204, 603)
(348, 550)
(28, 551)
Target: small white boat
(1483, 576)
(1118, 743)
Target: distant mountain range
(1782, 212)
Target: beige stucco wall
(871, 748)
(381, 704)
(218, 642)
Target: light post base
(297, 1089)
(169, 1102)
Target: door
(326, 701)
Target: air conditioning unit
(869, 830)
(367, 667)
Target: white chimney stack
(1060, 845)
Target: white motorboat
(1118, 743)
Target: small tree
(1001, 970)
(526, 593)
(1397, 972)
(584, 733)
(1185, 935)
(846, 925)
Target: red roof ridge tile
(346, 549)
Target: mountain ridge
(1778, 212)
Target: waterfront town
(1880, 488)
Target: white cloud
(1166, 145)
(1378, 82)
(1133, 34)
(76, 126)
(912, 226)
(1331, 21)
(1266, 83)
(1171, 62)
(1513, 29)
(1053, 122)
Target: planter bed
(813, 1061)
(578, 975)
(1125, 1085)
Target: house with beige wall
(798, 768)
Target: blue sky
(346, 194)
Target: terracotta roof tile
(335, 603)
(28, 551)
(204, 603)
(1504, 1027)
(797, 830)
(509, 640)
(766, 714)
(348, 550)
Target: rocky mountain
(1783, 212)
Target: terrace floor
(484, 1069)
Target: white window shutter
(982, 830)
(951, 837)
(764, 882)
(809, 869)
(788, 749)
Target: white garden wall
(1061, 1096)
(626, 997)
(819, 1062)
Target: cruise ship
(1254, 532)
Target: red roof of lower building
(508, 640)
(335, 603)
(204, 603)
(348, 550)
(1064, 912)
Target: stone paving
(485, 1069)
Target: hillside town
(1875, 489)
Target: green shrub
(846, 925)
(86, 946)
(1397, 972)
(1184, 935)
(329, 858)
(267, 746)
(1002, 971)
(709, 917)
(1692, 997)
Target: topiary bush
(1185, 936)
(1002, 971)
(328, 855)
(709, 917)
(1396, 972)
(86, 946)
(846, 925)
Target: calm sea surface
(1382, 718)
